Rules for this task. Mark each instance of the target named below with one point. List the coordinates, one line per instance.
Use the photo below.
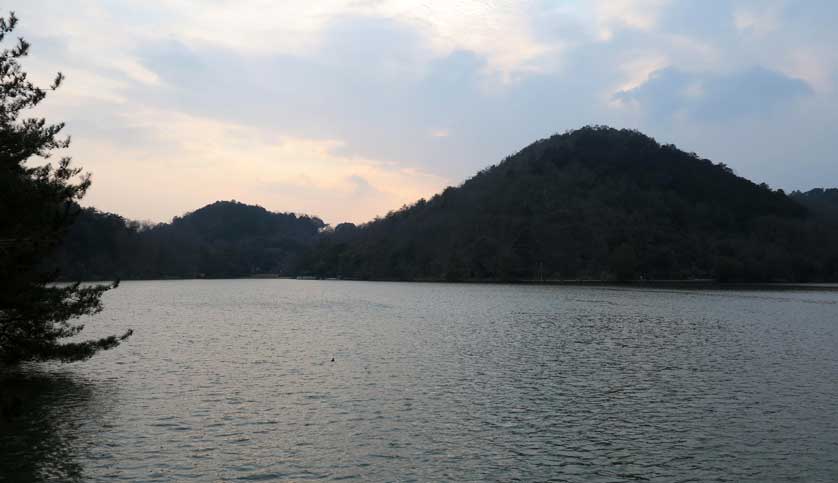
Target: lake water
(232, 380)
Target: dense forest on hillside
(224, 239)
(822, 203)
(595, 204)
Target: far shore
(692, 284)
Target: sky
(347, 109)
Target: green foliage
(36, 208)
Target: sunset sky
(349, 109)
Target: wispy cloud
(191, 161)
(714, 97)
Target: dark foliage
(821, 202)
(224, 239)
(595, 203)
(36, 208)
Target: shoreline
(696, 284)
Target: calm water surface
(233, 380)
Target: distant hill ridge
(821, 202)
(223, 239)
(596, 203)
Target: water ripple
(233, 381)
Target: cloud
(714, 97)
(499, 30)
(292, 104)
(191, 161)
(603, 20)
(759, 20)
(360, 186)
(634, 14)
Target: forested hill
(595, 203)
(821, 202)
(224, 239)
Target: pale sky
(347, 109)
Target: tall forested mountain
(595, 203)
(224, 239)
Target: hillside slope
(821, 202)
(595, 203)
(223, 239)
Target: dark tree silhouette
(595, 203)
(592, 204)
(822, 202)
(37, 206)
(224, 239)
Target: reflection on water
(44, 423)
(234, 380)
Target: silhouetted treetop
(228, 220)
(822, 202)
(223, 239)
(37, 205)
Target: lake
(233, 380)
